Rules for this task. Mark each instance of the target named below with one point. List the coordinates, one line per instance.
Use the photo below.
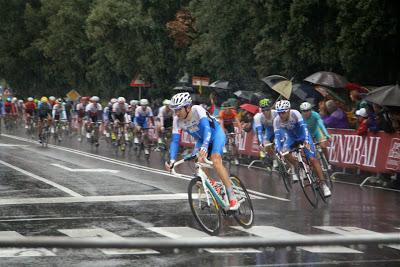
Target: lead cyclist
(209, 136)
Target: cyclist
(10, 112)
(142, 114)
(58, 114)
(209, 135)
(316, 126)
(165, 116)
(29, 111)
(80, 110)
(93, 112)
(107, 118)
(290, 130)
(52, 100)
(227, 118)
(263, 126)
(44, 112)
(119, 115)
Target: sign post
(200, 82)
(139, 82)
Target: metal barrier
(194, 243)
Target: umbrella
(244, 94)
(306, 92)
(385, 96)
(183, 88)
(250, 108)
(221, 84)
(325, 92)
(273, 79)
(327, 78)
(284, 88)
(356, 86)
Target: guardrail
(195, 243)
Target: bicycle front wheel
(309, 188)
(207, 215)
(284, 174)
(245, 214)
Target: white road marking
(187, 232)
(11, 145)
(83, 170)
(136, 166)
(275, 232)
(44, 180)
(21, 252)
(102, 233)
(350, 230)
(61, 218)
(57, 200)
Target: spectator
(333, 116)
(372, 124)
(362, 117)
(246, 121)
(382, 119)
(394, 116)
(355, 100)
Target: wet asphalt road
(51, 192)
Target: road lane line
(103, 233)
(271, 231)
(44, 180)
(187, 232)
(83, 170)
(254, 194)
(21, 252)
(88, 199)
(350, 230)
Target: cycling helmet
(282, 106)
(166, 102)
(30, 99)
(95, 98)
(20, 101)
(121, 100)
(134, 102)
(144, 102)
(305, 106)
(84, 98)
(265, 104)
(113, 100)
(180, 100)
(52, 98)
(14, 99)
(8, 99)
(44, 99)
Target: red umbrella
(250, 108)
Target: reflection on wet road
(76, 190)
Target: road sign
(73, 95)
(200, 81)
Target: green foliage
(98, 46)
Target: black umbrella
(220, 84)
(385, 96)
(306, 92)
(244, 94)
(183, 88)
(327, 78)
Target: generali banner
(378, 152)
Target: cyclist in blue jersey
(209, 136)
(316, 126)
(44, 113)
(290, 130)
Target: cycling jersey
(292, 131)
(228, 117)
(262, 124)
(59, 112)
(93, 110)
(119, 112)
(204, 128)
(80, 109)
(30, 107)
(44, 109)
(141, 116)
(316, 126)
(9, 108)
(165, 115)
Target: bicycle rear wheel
(325, 170)
(309, 188)
(207, 216)
(245, 214)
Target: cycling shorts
(229, 128)
(290, 144)
(218, 142)
(319, 136)
(142, 124)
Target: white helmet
(180, 100)
(166, 102)
(113, 100)
(95, 98)
(14, 99)
(305, 106)
(144, 102)
(134, 102)
(52, 98)
(282, 106)
(121, 100)
(30, 99)
(20, 101)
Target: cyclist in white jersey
(210, 138)
(165, 116)
(290, 130)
